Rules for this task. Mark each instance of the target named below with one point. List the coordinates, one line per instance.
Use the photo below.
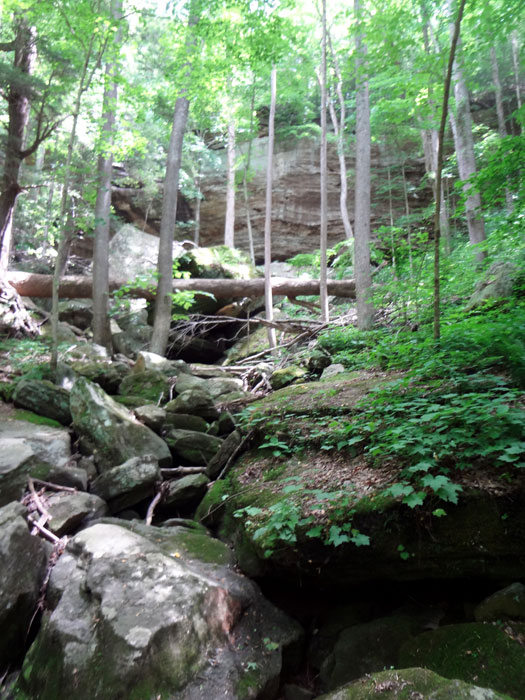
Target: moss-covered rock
(196, 402)
(150, 385)
(489, 654)
(110, 431)
(44, 398)
(186, 491)
(191, 447)
(409, 684)
(287, 375)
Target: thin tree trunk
(323, 184)
(18, 100)
(268, 296)
(247, 163)
(501, 115)
(465, 152)
(339, 127)
(197, 184)
(229, 221)
(101, 328)
(515, 47)
(362, 272)
(441, 137)
(164, 302)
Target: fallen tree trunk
(35, 285)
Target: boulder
(487, 653)
(23, 561)
(225, 452)
(185, 421)
(366, 648)
(129, 483)
(497, 283)
(110, 431)
(151, 385)
(287, 375)
(186, 491)
(26, 450)
(509, 603)
(332, 371)
(193, 447)
(152, 416)
(93, 362)
(218, 386)
(44, 398)
(150, 360)
(411, 684)
(187, 382)
(196, 402)
(71, 510)
(133, 253)
(77, 312)
(136, 613)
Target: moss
(30, 417)
(203, 547)
(248, 682)
(407, 684)
(130, 401)
(483, 653)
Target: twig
(44, 531)
(54, 487)
(40, 506)
(163, 488)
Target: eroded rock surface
(136, 615)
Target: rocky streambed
(153, 545)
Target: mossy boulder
(150, 385)
(186, 491)
(111, 432)
(191, 447)
(185, 421)
(129, 483)
(508, 603)
(44, 398)
(489, 654)
(412, 684)
(196, 402)
(93, 362)
(287, 375)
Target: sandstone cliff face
(295, 199)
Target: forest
(262, 349)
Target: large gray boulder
(23, 561)
(129, 483)
(135, 614)
(26, 450)
(109, 431)
(133, 253)
(193, 447)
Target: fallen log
(30, 284)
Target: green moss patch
(488, 654)
(30, 417)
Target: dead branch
(54, 487)
(181, 471)
(163, 489)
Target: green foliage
(282, 523)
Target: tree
(268, 297)
(323, 173)
(362, 272)
(101, 329)
(461, 122)
(18, 98)
(163, 303)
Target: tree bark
(18, 100)
(268, 296)
(80, 287)
(464, 140)
(515, 48)
(101, 328)
(229, 221)
(164, 302)
(501, 116)
(362, 271)
(323, 176)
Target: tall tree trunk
(101, 328)
(441, 136)
(247, 163)
(339, 131)
(515, 48)
(268, 296)
(164, 302)
(464, 141)
(229, 221)
(197, 217)
(501, 115)
(362, 272)
(18, 101)
(323, 172)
